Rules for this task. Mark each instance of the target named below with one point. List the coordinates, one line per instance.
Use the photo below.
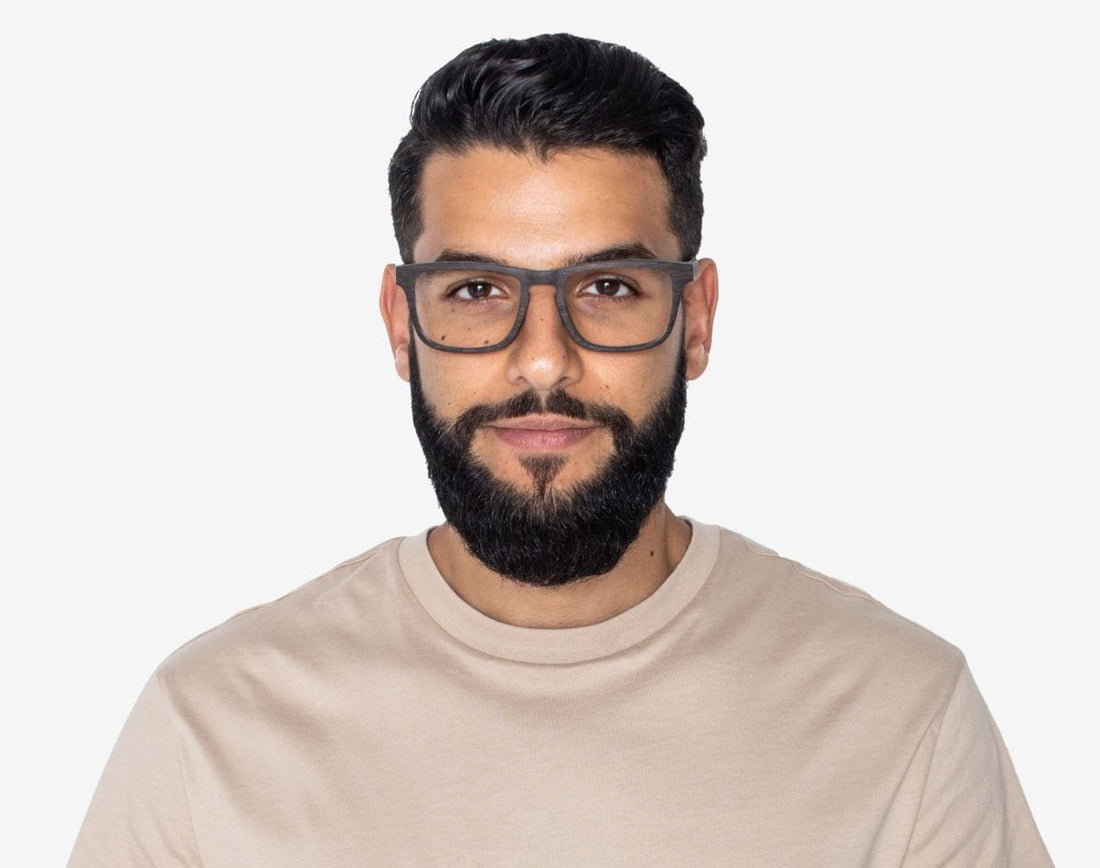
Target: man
(565, 672)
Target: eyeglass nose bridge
(554, 279)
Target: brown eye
(608, 287)
(476, 290)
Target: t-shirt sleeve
(139, 815)
(973, 812)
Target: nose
(543, 355)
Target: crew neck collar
(565, 645)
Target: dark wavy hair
(544, 94)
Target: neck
(640, 571)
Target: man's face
(517, 209)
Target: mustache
(557, 402)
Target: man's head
(547, 455)
(550, 93)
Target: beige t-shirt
(750, 712)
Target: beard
(547, 536)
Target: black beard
(549, 537)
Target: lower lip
(536, 439)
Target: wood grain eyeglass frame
(679, 273)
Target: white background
(199, 408)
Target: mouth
(542, 432)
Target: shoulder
(803, 615)
(352, 598)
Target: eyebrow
(632, 250)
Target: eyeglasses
(478, 307)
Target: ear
(395, 314)
(700, 300)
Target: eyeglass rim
(682, 272)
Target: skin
(520, 209)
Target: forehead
(537, 212)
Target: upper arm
(973, 811)
(140, 815)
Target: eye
(608, 287)
(477, 290)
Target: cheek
(453, 382)
(637, 384)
